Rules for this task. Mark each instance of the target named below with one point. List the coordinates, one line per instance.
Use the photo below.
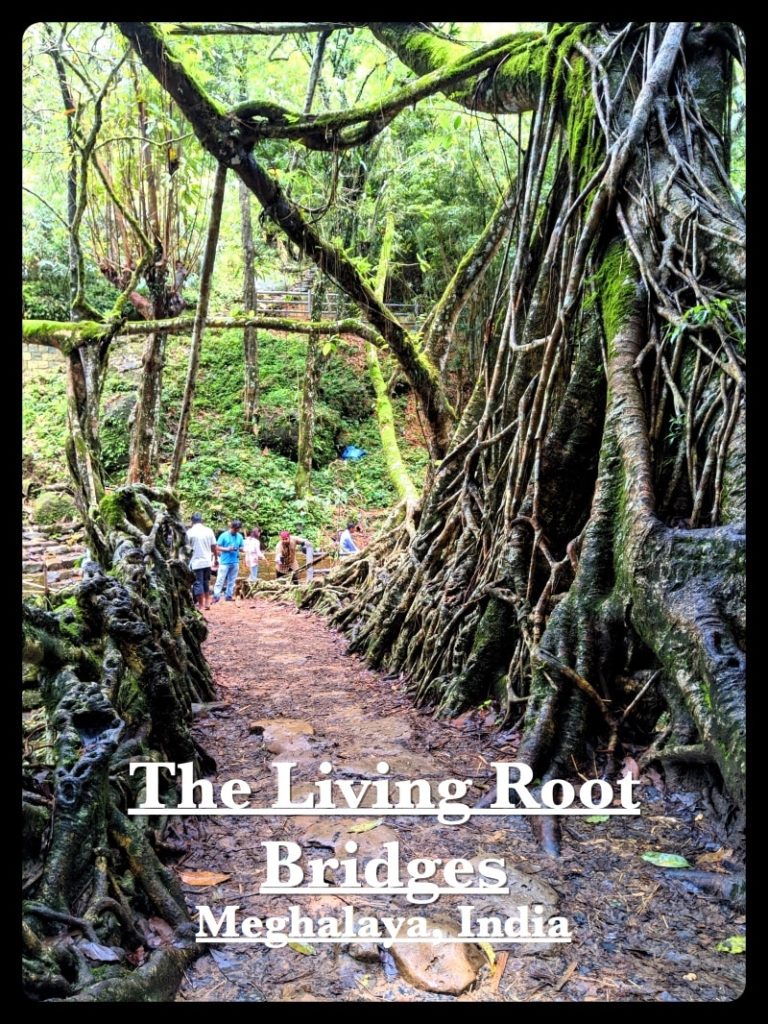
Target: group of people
(222, 555)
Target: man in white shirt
(202, 540)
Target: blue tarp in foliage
(354, 453)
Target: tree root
(118, 676)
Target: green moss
(617, 289)
(111, 509)
(522, 71)
(31, 700)
(64, 336)
(53, 507)
(584, 143)
(130, 700)
(385, 416)
(41, 330)
(435, 51)
(706, 693)
(486, 659)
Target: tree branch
(511, 84)
(66, 336)
(257, 29)
(324, 131)
(209, 258)
(219, 136)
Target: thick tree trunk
(86, 367)
(146, 417)
(561, 583)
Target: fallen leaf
(733, 944)
(711, 861)
(160, 934)
(665, 860)
(501, 963)
(488, 949)
(104, 954)
(203, 877)
(220, 958)
(302, 947)
(596, 819)
(366, 826)
(566, 976)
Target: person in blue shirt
(346, 545)
(229, 544)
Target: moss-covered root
(688, 604)
(116, 667)
(155, 981)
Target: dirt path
(291, 694)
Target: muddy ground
(289, 692)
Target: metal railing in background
(297, 304)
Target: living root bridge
(110, 674)
(580, 550)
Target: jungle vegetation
(566, 204)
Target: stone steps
(49, 554)
(52, 564)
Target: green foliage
(114, 435)
(733, 944)
(344, 389)
(442, 183)
(225, 474)
(44, 424)
(665, 860)
(723, 312)
(45, 285)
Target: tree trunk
(146, 417)
(576, 544)
(209, 258)
(86, 367)
(398, 472)
(312, 372)
(250, 334)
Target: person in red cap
(285, 554)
